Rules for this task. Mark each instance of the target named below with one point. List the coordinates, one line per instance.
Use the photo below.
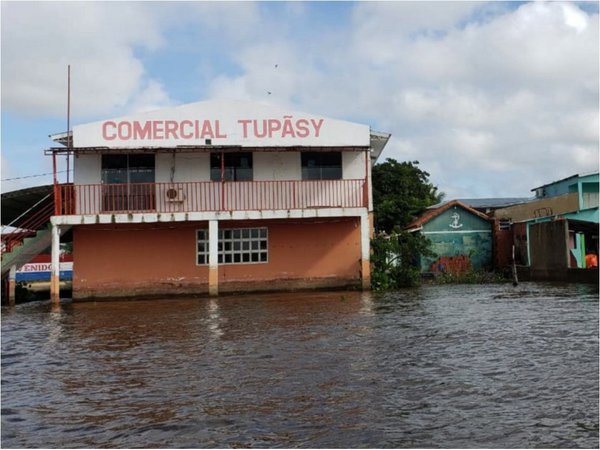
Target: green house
(461, 238)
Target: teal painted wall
(572, 184)
(588, 215)
(458, 232)
(466, 221)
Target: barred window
(236, 246)
(504, 224)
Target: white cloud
(476, 92)
(232, 21)
(149, 97)
(97, 39)
(490, 97)
(12, 173)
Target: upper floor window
(128, 169)
(127, 182)
(231, 166)
(590, 200)
(321, 166)
(504, 224)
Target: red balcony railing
(209, 196)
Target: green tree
(400, 192)
(395, 259)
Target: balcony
(209, 196)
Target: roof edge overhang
(431, 214)
(65, 138)
(378, 141)
(199, 149)
(577, 175)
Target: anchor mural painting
(461, 238)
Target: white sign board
(223, 122)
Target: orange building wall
(160, 259)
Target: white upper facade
(221, 123)
(214, 156)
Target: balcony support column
(12, 285)
(213, 258)
(55, 266)
(365, 247)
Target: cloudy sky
(492, 98)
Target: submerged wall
(549, 250)
(161, 259)
(458, 232)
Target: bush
(395, 260)
(472, 276)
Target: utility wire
(33, 176)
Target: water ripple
(440, 366)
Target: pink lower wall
(160, 259)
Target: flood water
(439, 366)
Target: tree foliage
(395, 259)
(400, 192)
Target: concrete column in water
(55, 265)
(365, 248)
(12, 285)
(213, 257)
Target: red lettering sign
(188, 129)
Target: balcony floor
(152, 217)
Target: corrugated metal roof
(431, 213)
(378, 142)
(15, 203)
(577, 175)
(485, 203)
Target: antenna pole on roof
(69, 138)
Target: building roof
(577, 175)
(378, 142)
(488, 203)
(15, 203)
(430, 214)
(223, 124)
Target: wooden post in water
(365, 250)
(514, 267)
(55, 266)
(213, 258)
(12, 285)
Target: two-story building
(554, 232)
(216, 196)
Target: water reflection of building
(217, 196)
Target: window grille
(504, 224)
(236, 246)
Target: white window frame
(235, 246)
(202, 249)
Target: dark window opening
(235, 166)
(321, 166)
(128, 183)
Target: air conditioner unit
(174, 195)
